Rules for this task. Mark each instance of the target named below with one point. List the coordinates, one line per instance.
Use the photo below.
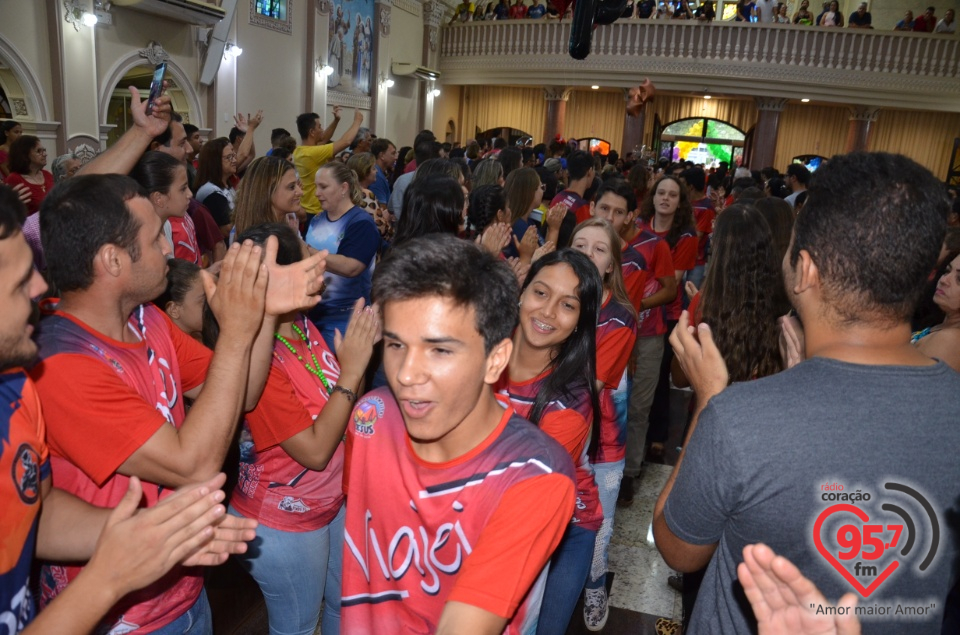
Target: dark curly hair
(682, 218)
(740, 296)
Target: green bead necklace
(315, 369)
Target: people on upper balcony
(947, 24)
(765, 11)
(536, 10)
(744, 11)
(861, 18)
(464, 12)
(927, 22)
(906, 24)
(645, 9)
(782, 17)
(501, 11)
(831, 15)
(705, 12)
(679, 10)
(517, 11)
(803, 14)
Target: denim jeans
(569, 568)
(328, 321)
(295, 572)
(196, 621)
(608, 476)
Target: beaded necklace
(315, 369)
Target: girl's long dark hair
(739, 299)
(574, 367)
(682, 218)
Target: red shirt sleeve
(568, 428)
(635, 283)
(192, 356)
(685, 253)
(279, 414)
(613, 353)
(705, 217)
(94, 420)
(663, 260)
(515, 545)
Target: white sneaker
(596, 609)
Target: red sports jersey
(656, 252)
(104, 399)
(684, 255)
(567, 421)
(478, 529)
(616, 334)
(704, 217)
(24, 463)
(635, 274)
(185, 244)
(273, 487)
(575, 204)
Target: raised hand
(157, 121)
(519, 268)
(240, 122)
(336, 111)
(700, 360)
(495, 238)
(543, 250)
(528, 245)
(556, 215)
(238, 298)
(781, 597)
(293, 287)
(791, 341)
(355, 347)
(253, 122)
(138, 546)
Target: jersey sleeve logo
(366, 414)
(26, 473)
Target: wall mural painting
(351, 46)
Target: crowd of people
(755, 11)
(434, 373)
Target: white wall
(405, 45)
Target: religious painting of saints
(351, 46)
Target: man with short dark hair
(861, 18)
(703, 216)
(385, 154)
(581, 171)
(796, 178)
(475, 496)
(132, 548)
(841, 418)
(315, 150)
(114, 370)
(423, 135)
(927, 22)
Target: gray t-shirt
(766, 462)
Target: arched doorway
(24, 99)
(702, 140)
(135, 70)
(594, 145)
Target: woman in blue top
(350, 235)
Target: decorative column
(632, 127)
(381, 67)
(73, 49)
(858, 135)
(557, 98)
(766, 131)
(318, 47)
(433, 11)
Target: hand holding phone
(156, 86)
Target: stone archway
(186, 101)
(21, 86)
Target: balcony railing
(889, 66)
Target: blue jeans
(295, 572)
(608, 476)
(196, 621)
(569, 568)
(328, 321)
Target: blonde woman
(269, 192)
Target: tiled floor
(638, 597)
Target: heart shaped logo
(875, 542)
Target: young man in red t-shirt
(454, 502)
(704, 215)
(114, 370)
(650, 279)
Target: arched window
(702, 140)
